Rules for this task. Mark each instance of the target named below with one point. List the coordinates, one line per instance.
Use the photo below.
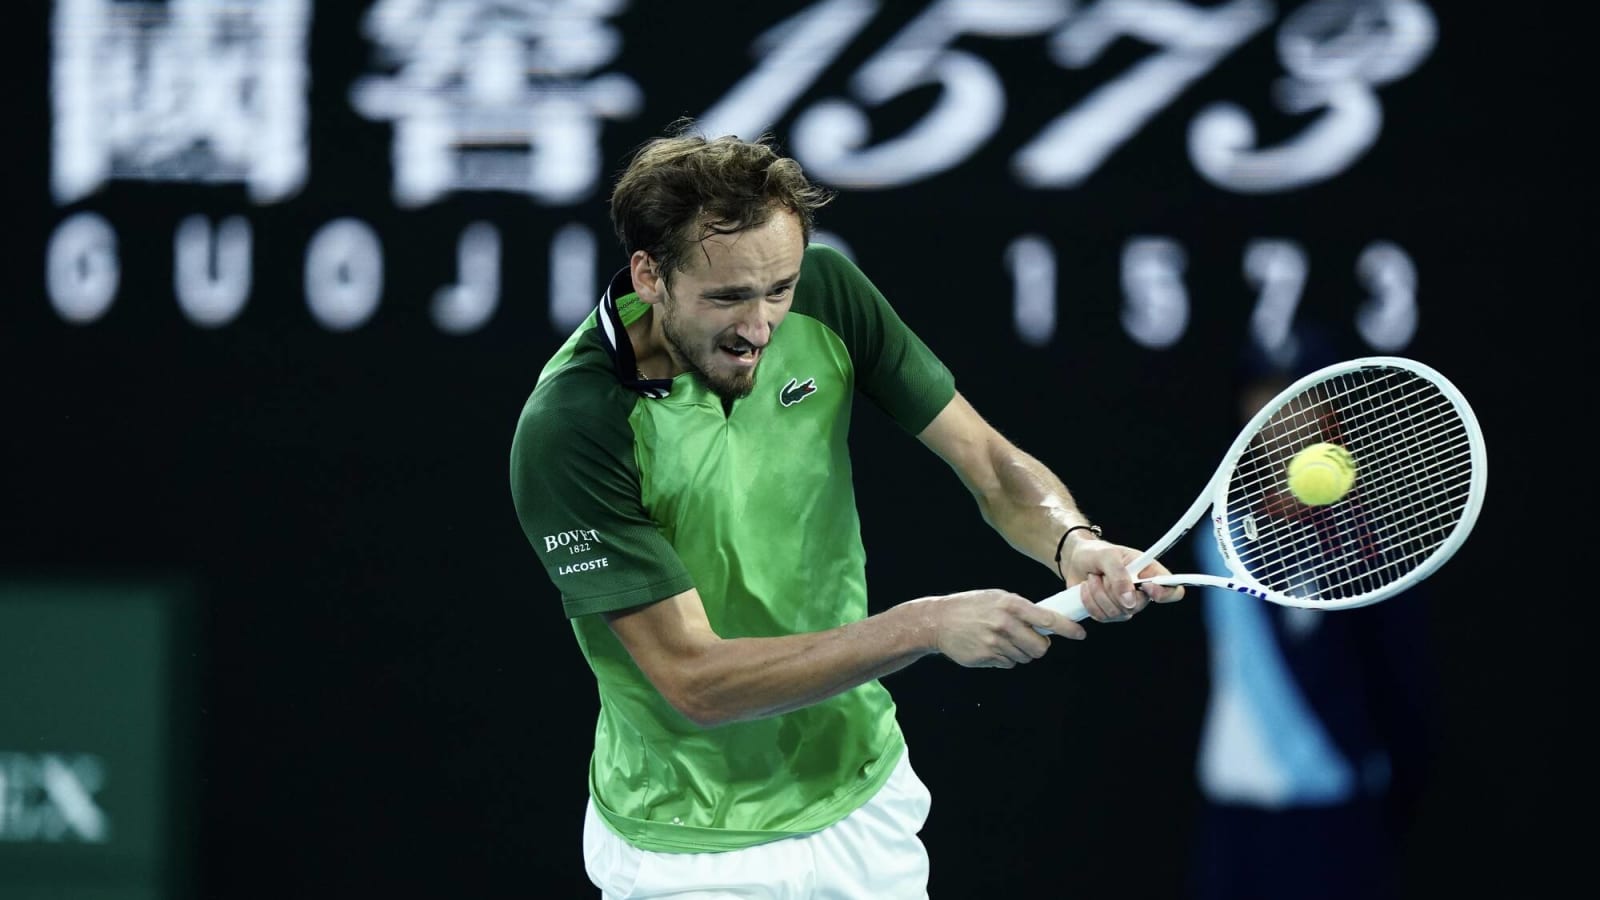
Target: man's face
(719, 312)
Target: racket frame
(1214, 497)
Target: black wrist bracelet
(1092, 529)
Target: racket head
(1420, 482)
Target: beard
(702, 360)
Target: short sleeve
(893, 366)
(575, 485)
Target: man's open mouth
(741, 352)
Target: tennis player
(681, 469)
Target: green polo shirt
(631, 491)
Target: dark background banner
(279, 278)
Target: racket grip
(1068, 602)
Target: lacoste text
(585, 566)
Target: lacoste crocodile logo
(797, 390)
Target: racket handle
(1068, 602)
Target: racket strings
(1414, 473)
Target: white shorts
(872, 854)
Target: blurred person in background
(1319, 725)
(682, 471)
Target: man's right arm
(714, 681)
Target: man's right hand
(994, 628)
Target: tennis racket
(1420, 478)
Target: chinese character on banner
(495, 96)
(203, 91)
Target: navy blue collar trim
(619, 346)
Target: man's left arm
(1031, 508)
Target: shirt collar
(617, 343)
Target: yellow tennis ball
(1321, 474)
